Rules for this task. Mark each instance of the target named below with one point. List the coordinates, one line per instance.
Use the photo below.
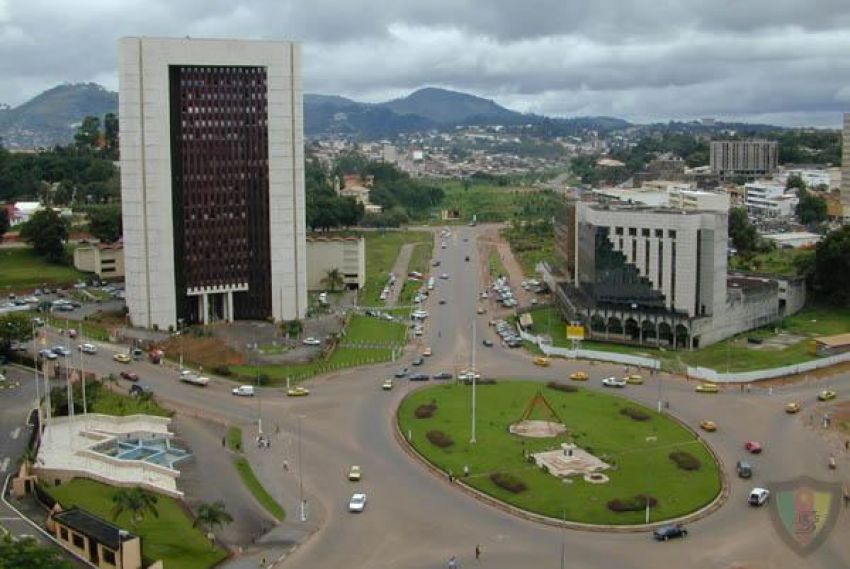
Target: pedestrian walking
(452, 562)
(465, 471)
(846, 445)
(477, 551)
(286, 465)
(223, 442)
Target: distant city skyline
(770, 62)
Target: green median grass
(638, 449)
(110, 401)
(382, 249)
(257, 489)
(169, 537)
(23, 269)
(234, 439)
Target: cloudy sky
(776, 61)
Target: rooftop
(94, 527)
(834, 341)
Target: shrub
(685, 460)
(222, 370)
(635, 414)
(425, 411)
(565, 387)
(482, 381)
(508, 482)
(634, 504)
(439, 438)
(263, 379)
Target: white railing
(759, 374)
(626, 359)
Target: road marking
(4, 465)
(16, 433)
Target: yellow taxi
(298, 392)
(707, 388)
(427, 351)
(354, 474)
(792, 407)
(122, 358)
(709, 426)
(826, 395)
(579, 376)
(541, 361)
(634, 379)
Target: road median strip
(257, 489)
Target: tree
(88, 133)
(27, 553)
(211, 516)
(795, 181)
(333, 279)
(105, 223)
(4, 222)
(136, 501)
(743, 234)
(14, 327)
(110, 134)
(831, 278)
(46, 233)
(811, 208)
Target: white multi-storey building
(769, 199)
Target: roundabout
(611, 457)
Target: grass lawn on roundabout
(638, 450)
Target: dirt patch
(203, 352)
(537, 429)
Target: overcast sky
(776, 61)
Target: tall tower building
(212, 180)
(845, 166)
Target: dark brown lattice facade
(220, 186)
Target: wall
(626, 359)
(743, 377)
(348, 255)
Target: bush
(482, 381)
(635, 414)
(633, 504)
(263, 379)
(222, 370)
(425, 411)
(508, 482)
(685, 460)
(439, 438)
(565, 387)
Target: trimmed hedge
(634, 504)
(635, 414)
(482, 381)
(685, 460)
(439, 438)
(425, 411)
(565, 387)
(508, 482)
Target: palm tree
(136, 501)
(211, 516)
(333, 279)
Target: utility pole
(68, 381)
(35, 365)
(83, 370)
(301, 499)
(564, 538)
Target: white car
(467, 375)
(614, 382)
(243, 391)
(311, 341)
(357, 503)
(88, 348)
(758, 496)
(420, 314)
(444, 276)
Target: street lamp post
(649, 439)
(301, 500)
(473, 371)
(35, 367)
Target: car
(468, 375)
(466, 258)
(435, 263)
(354, 473)
(758, 496)
(444, 276)
(669, 532)
(47, 354)
(579, 376)
(387, 385)
(634, 379)
(709, 426)
(792, 407)
(514, 343)
(38, 322)
(138, 389)
(542, 361)
(418, 331)
(744, 469)
(487, 343)
(243, 391)
(707, 388)
(419, 377)
(130, 375)
(401, 373)
(122, 358)
(481, 310)
(826, 395)
(297, 392)
(72, 333)
(420, 314)
(87, 348)
(753, 447)
(443, 375)
(613, 382)
(357, 503)
(311, 341)
(427, 352)
(442, 301)
(61, 351)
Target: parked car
(354, 473)
(613, 382)
(87, 348)
(137, 389)
(401, 373)
(130, 375)
(744, 469)
(758, 496)
(753, 447)
(243, 391)
(419, 377)
(487, 343)
(311, 341)
(357, 503)
(418, 361)
(707, 388)
(669, 532)
(443, 375)
(428, 352)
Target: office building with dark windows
(657, 276)
(212, 175)
(745, 159)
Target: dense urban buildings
(212, 180)
(748, 159)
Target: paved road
(417, 520)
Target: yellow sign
(575, 332)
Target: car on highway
(387, 385)
(634, 379)
(130, 375)
(579, 376)
(466, 258)
(122, 358)
(138, 389)
(744, 469)
(243, 391)
(354, 473)
(442, 301)
(418, 331)
(792, 407)
(419, 377)
(709, 426)
(401, 373)
(481, 310)
(753, 447)
(825, 395)
(444, 276)
(468, 375)
(613, 382)
(542, 361)
(669, 532)
(707, 388)
(357, 503)
(87, 348)
(297, 392)
(427, 352)
(420, 314)
(61, 351)
(435, 263)
(487, 343)
(418, 361)
(443, 375)
(47, 354)
(311, 341)
(758, 496)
